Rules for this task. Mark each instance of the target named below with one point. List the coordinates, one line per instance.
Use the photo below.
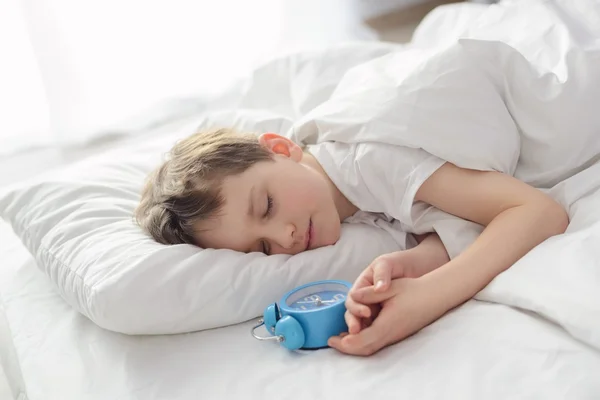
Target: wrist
(423, 259)
(412, 263)
(456, 282)
(438, 301)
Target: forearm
(507, 238)
(428, 255)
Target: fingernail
(379, 285)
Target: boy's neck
(344, 207)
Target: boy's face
(284, 206)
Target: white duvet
(520, 101)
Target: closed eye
(267, 214)
(269, 207)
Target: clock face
(319, 296)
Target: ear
(281, 145)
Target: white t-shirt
(378, 178)
(384, 179)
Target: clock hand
(317, 301)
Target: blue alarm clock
(306, 317)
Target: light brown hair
(186, 188)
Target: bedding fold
(520, 101)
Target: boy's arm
(428, 255)
(517, 218)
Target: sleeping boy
(239, 191)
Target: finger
(364, 279)
(366, 322)
(382, 275)
(354, 323)
(370, 339)
(366, 343)
(336, 339)
(359, 310)
(368, 295)
(375, 309)
(335, 342)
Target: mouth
(309, 235)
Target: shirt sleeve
(378, 177)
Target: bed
(481, 350)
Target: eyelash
(269, 206)
(266, 215)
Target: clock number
(339, 296)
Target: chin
(334, 236)
(327, 233)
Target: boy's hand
(378, 275)
(428, 255)
(408, 306)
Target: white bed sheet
(479, 351)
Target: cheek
(305, 193)
(311, 195)
(298, 199)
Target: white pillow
(78, 224)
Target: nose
(283, 238)
(288, 233)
